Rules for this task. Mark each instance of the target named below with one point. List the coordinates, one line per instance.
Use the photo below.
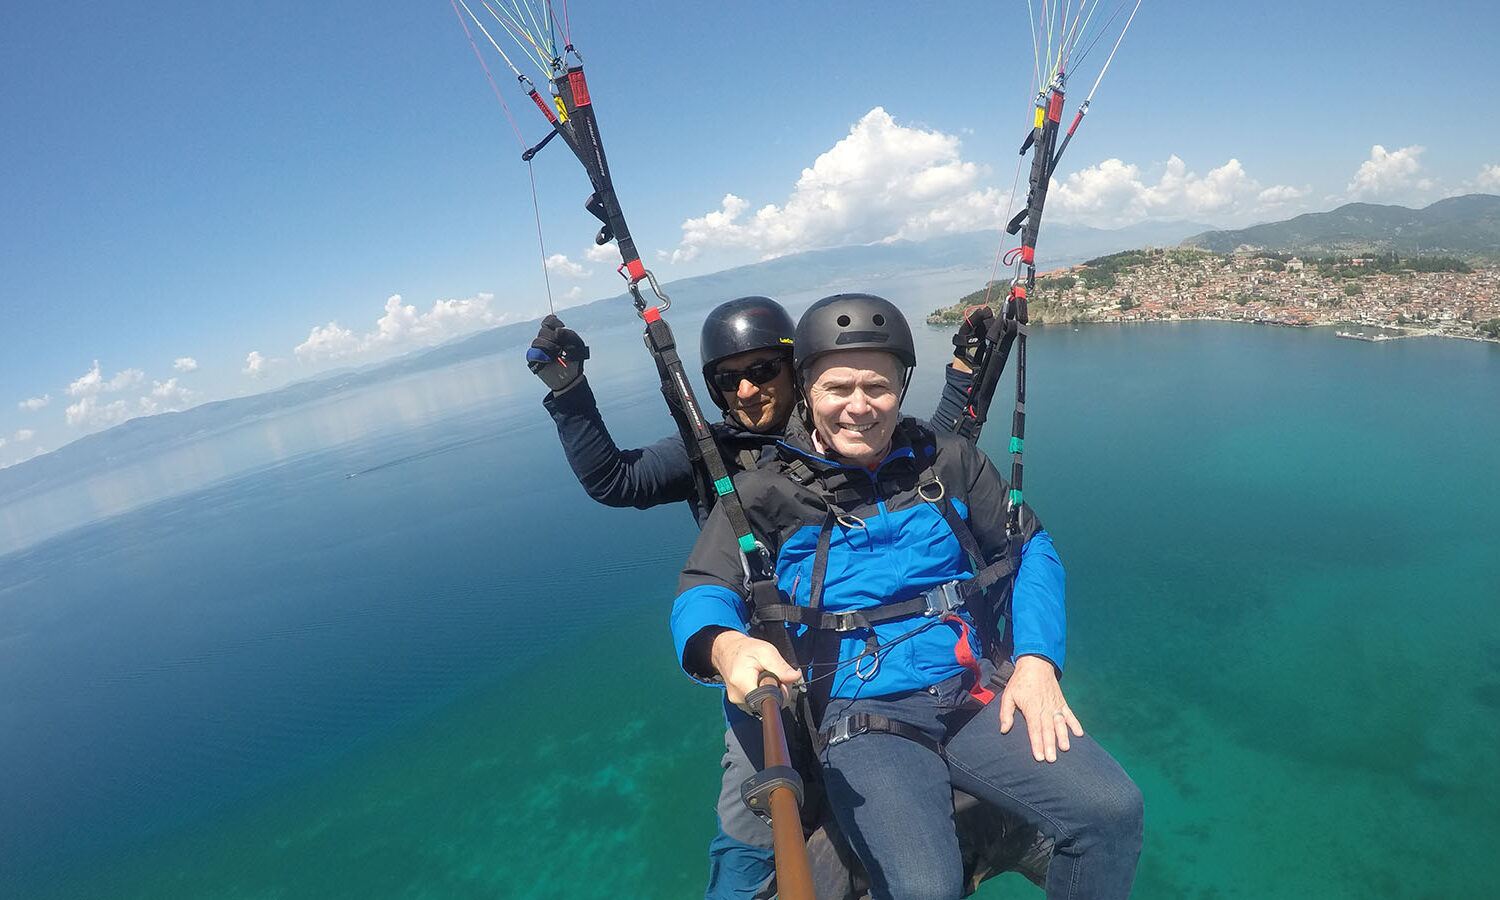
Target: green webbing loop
(1015, 444)
(724, 486)
(747, 543)
(1015, 498)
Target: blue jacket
(900, 546)
(661, 472)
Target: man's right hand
(557, 355)
(740, 659)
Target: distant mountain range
(1467, 227)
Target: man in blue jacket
(746, 351)
(876, 524)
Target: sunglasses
(728, 380)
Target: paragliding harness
(985, 596)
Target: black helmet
(853, 322)
(737, 326)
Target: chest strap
(943, 600)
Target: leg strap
(872, 723)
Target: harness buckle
(845, 621)
(943, 600)
(847, 728)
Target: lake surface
(450, 675)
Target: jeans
(739, 857)
(892, 796)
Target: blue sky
(209, 201)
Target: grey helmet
(853, 322)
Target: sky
(202, 202)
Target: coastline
(1187, 285)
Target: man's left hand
(1034, 691)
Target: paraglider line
(498, 96)
(1111, 57)
(537, 209)
(520, 33)
(567, 33)
(1105, 30)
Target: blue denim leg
(892, 798)
(1084, 801)
(740, 858)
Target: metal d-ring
(850, 520)
(922, 489)
(874, 667)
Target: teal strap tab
(724, 486)
(1015, 444)
(1015, 498)
(747, 543)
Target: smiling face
(762, 408)
(855, 397)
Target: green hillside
(1467, 227)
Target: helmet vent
(844, 321)
(879, 319)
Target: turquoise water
(449, 676)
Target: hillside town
(1372, 297)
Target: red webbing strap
(1054, 108)
(579, 86)
(542, 105)
(965, 656)
(636, 268)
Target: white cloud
(603, 253)
(185, 364)
(255, 364)
(328, 342)
(1488, 179)
(87, 385)
(35, 403)
(559, 264)
(402, 325)
(1115, 193)
(881, 182)
(92, 383)
(24, 435)
(91, 412)
(166, 396)
(3, 442)
(1390, 175)
(1280, 194)
(573, 293)
(125, 380)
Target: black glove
(971, 332)
(557, 355)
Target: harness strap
(697, 435)
(825, 644)
(849, 620)
(857, 724)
